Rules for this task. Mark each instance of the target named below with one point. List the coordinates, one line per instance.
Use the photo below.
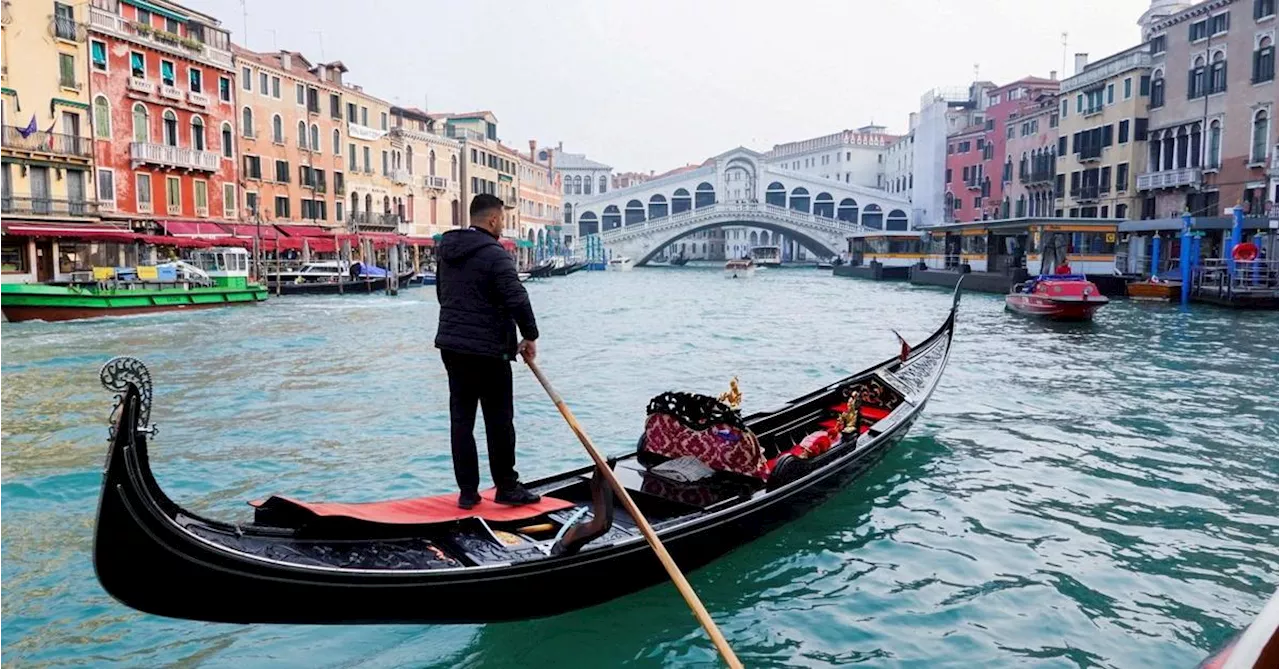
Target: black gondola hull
(153, 556)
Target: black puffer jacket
(481, 299)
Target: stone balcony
(174, 156)
(170, 92)
(198, 99)
(435, 183)
(401, 177)
(101, 19)
(1186, 176)
(142, 85)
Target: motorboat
(1063, 297)
(619, 264)
(739, 269)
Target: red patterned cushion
(722, 447)
(871, 413)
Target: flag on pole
(30, 129)
(906, 348)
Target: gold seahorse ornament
(847, 422)
(733, 397)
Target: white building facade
(942, 111)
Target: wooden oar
(682, 584)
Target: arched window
(634, 212)
(102, 117)
(577, 185)
(824, 205)
(776, 195)
(799, 199)
(1258, 154)
(1157, 89)
(897, 219)
(277, 129)
(1214, 156)
(586, 185)
(431, 162)
(1195, 78)
(872, 217)
(681, 201)
(604, 184)
(302, 134)
(657, 206)
(408, 158)
(1264, 61)
(315, 138)
(246, 123)
(170, 121)
(337, 142)
(228, 146)
(848, 210)
(197, 133)
(612, 218)
(1218, 73)
(453, 169)
(568, 186)
(141, 127)
(704, 195)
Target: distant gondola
(343, 286)
(425, 561)
(542, 270)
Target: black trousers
(487, 381)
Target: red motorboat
(1063, 297)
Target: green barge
(215, 277)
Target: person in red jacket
(1063, 267)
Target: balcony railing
(198, 99)
(1037, 177)
(171, 92)
(401, 176)
(102, 19)
(972, 184)
(174, 156)
(48, 142)
(1089, 152)
(1088, 193)
(510, 201)
(65, 28)
(142, 85)
(435, 183)
(43, 206)
(1187, 176)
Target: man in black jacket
(481, 305)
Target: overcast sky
(660, 83)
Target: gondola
(542, 270)
(706, 477)
(344, 286)
(568, 268)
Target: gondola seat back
(688, 424)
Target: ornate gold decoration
(733, 397)
(847, 422)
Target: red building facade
(978, 169)
(162, 82)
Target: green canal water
(1073, 496)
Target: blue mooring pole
(1155, 254)
(1184, 257)
(1237, 228)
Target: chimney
(559, 146)
(286, 61)
(1053, 75)
(1082, 59)
(533, 150)
(322, 72)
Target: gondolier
(481, 305)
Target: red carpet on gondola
(422, 510)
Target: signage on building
(362, 132)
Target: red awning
(420, 241)
(251, 231)
(180, 242)
(195, 228)
(315, 244)
(96, 233)
(382, 240)
(508, 244)
(308, 231)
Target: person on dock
(482, 303)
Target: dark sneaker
(516, 495)
(468, 499)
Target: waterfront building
(541, 199)
(1102, 133)
(943, 111)
(1030, 158)
(425, 167)
(376, 201)
(164, 106)
(486, 167)
(47, 153)
(897, 161)
(976, 157)
(849, 156)
(629, 179)
(291, 141)
(1212, 132)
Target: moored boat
(619, 264)
(766, 256)
(708, 479)
(678, 261)
(1064, 297)
(739, 269)
(1154, 289)
(215, 277)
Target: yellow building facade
(376, 203)
(425, 166)
(1102, 133)
(47, 152)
